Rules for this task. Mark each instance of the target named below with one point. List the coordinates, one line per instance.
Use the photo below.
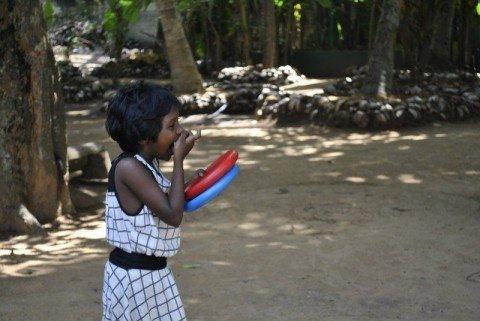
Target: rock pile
(282, 75)
(141, 63)
(439, 96)
(73, 33)
(77, 88)
(238, 89)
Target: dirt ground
(321, 224)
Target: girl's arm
(139, 181)
(176, 195)
(181, 148)
(189, 145)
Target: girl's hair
(136, 113)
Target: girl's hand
(180, 146)
(184, 144)
(198, 173)
(191, 139)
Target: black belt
(128, 261)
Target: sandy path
(320, 225)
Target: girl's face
(162, 148)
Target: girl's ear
(144, 142)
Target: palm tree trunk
(270, 34)
(287, 33)
(185, 76)
(380, 64)
(465, 58)
(217, 57)
(242, 10)
(442, 33)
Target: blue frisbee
(212, 191)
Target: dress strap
(111, 172)
(161, 179)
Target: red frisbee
(213, 173)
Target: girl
(143, 208)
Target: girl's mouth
(168, 153)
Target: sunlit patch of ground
(72, 242)
(321, 224)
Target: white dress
(136, 294)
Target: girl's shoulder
(131, 166)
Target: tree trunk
(471, 39)
(332, 29)
(184, 73)
(217, 57)
(59, 135)
(442, 33)
(120, 30)
(347, 21)
(407, 34)
(465, 39)
(380, 63)
(270, 34)
(356, 13)
(244, 25)
(462, 14)
(287, 32)
(416, 29)
(308, 25)
(372, 24)
(32, 186)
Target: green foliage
(339, 30)
(297, 12)
(325, 3)
(184, 5)
(123, 11)
(301, 24)
(191, 5)
(48, 12)
(110, 21)
(131, 9)
(117, 18)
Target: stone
(83, 198)
(414, 99)
(386, 107)
(92, 159)
(415, 90)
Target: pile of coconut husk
(74, 33)
(237, 89)
(282, 75)
(206, 102)
(76, 87)
(141, 63)
(438, 96)
(236, 99)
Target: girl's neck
(146, 156)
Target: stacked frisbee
(218, 175)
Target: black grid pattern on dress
(134, 295)
(143, 233)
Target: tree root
(23, 222)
